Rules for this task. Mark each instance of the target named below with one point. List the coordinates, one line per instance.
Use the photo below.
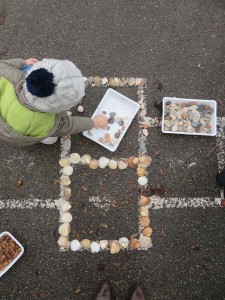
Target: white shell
(64, 229)
(66, 144)
(66, 217)
(85, 159)
(142, 180)
(66, 193)
(63, 162)
(103, 244)
(68, 170)
(75, 245)
(145, 242)
(69, 113)
(145, 132)
(63, 205)
(95, 247)
(80, 108)
(103, 162)
(63, 241)
(122, 164)
(104, 80)
(75, 158)
(85, 79)
(113, 164)
(124, 242)
(65, 180)
(138, 81)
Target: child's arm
(10, 69)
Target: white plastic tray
(16, 258)
(123, 107)
(213, 103)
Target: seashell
(103, 162)
(86, 244)
(85, 79)
(93, 164)
(116, 80)
(114, 247)
(131, 81)
(75, 245)
(66, 217)
(112, 83)
(63, 162)
(138, 81)
(113, 164)
(75, 158)
(144, 221)
(133, 161)
(64, 206)
(143, 211)
(64, 229)
(66, 144)
(66, 192)
(145, 200)
(63, 241)
(97, 80)
(145, 131)
(143, 113)
(69, 113)
(124, 242)
(147, 231)
(95, 247)
(104, 80)
(145, 242)
(85, 159)
(107, 138)
(121, 83)
(80, 108)
(134, 244)
(68, 170)
(90, 79)
(65, 180)
(144, 161)
(141, 171)
(142, 180)
(122, 164)
(103, 244)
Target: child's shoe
(49, 140)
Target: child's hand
(31, 61)
(100, 121)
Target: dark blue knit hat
(40, 83)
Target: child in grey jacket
(33, 105)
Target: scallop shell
(122, 164)
(64, 229)
(143, 211)
(133, 161)
(144, 161)
(147, 231)
(103, 162)
(124, 242)
(93, 164)
(103, 244)
(80, 108)
(75, 245)
(144, 221)
(145, 200)
(112, 83)
(95, 247)
(86, 244)
(68, 170)
(142, 180)
(66, 217)
(63, 241)
(145, 242)
(85, 159)
(141, 171)
(65, 180)
(74, 158)
(64, 206)
(66, 192)
(63, 162)
(97, 80)
(114, 247)
(134, 244)
(131, 81)
(113, 164)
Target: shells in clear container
(63, 241)
(145, 242)
(122, 164)
(65, 180)
(66, 217)
(86, 244)
(143, 211)
(141, 171)
(75, 158)
(85, 159)
(75, 245)
(114, 247)
(133, 161)
(63, 162)
(134, 244)
(144, 161)
(145, 200)
(95, 247)
(124, 242)
(68, 170)
(103, 162)
(142, 180)
(64, 229)
(103, 244)
(113, 164)
(144, 221)
(147, 231)
(93, 164)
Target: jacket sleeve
(71, 125)
(10, 69)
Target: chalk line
(27, 203)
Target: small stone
(167, 123)
(108, 127)
(112, 114)
(80, 108)
(117, 135)
(174, 128)
(110, 120)
(121, 123)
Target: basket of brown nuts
(10, 251)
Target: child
(33, 105)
